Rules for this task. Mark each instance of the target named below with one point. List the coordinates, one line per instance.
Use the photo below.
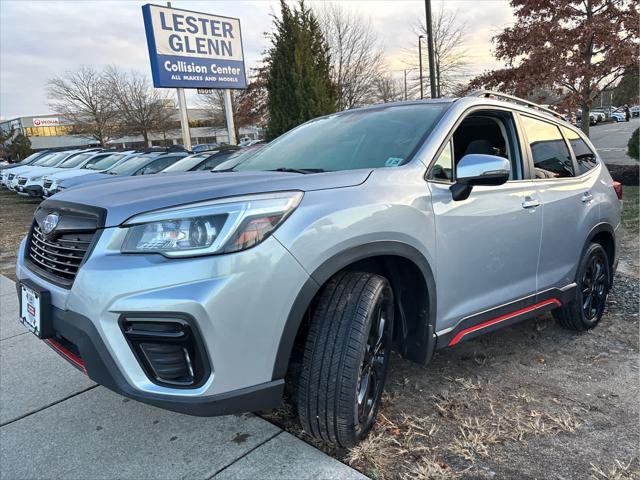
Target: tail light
(617, 186)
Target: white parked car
(97, 162)
(19, 177)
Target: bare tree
(388, 89)
(213, 103)
(356, 54)
(82, 97)
(451, 57)
(142, 108)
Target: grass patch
(630, 211)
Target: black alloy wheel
(594, 287)
(374, 366)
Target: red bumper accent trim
(75, 360)
(502, 318)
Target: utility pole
(184, 117)
(432, 72)
(405, 85)
(420, 37)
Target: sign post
(194, 50)
(228, 110)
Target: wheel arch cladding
(401, 264)
(604, 234)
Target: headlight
(219, 226)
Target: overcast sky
(39, 39)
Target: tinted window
(369, 138)
(584, 155)
(157, 165)
(186, 163)
(76, 160)
(443, 168)
(53, 160)
(551, 157)
(130, 166)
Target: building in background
(53, 131)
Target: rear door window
(551, 157)
(585, 157)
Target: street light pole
(405, 84)
(420, 37)
(432, 70)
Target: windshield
(238, 157)
(53, 160)
(76, 160)
(185, 164)
(131, 166)
(31, 157)
(371, 138)
(103, 163)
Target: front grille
(48, 183)
(61, 256)
(22, 181)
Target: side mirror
(477, 169)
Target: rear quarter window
(585, 157)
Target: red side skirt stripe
(502, 318)
(69, 355)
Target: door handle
(587, 197)
(530, 202)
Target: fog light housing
(168, 347)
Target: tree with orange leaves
(580, 47)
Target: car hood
(127, 196)
(34, 171)
(79, 172)
(90, 177)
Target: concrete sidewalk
(56, 423)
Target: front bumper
(33, 190)
(239, 302)
(102, 369)
(47, 192)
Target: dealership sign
(46, 122)
(193, 50)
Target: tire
(585, 311)
(342, 376)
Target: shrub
(633, 147)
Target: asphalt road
(611, 141)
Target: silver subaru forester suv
(415, 225)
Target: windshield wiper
(304, 171)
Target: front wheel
(346, 357)
(593, 282)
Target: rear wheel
(593, 282)
(346, 358)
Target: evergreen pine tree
(20, 147)
(299, 85)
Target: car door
(487, 245)
(567, 192)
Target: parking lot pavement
(610, 139)
(56, 423)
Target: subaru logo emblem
(50, 222)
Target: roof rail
(512, 99)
